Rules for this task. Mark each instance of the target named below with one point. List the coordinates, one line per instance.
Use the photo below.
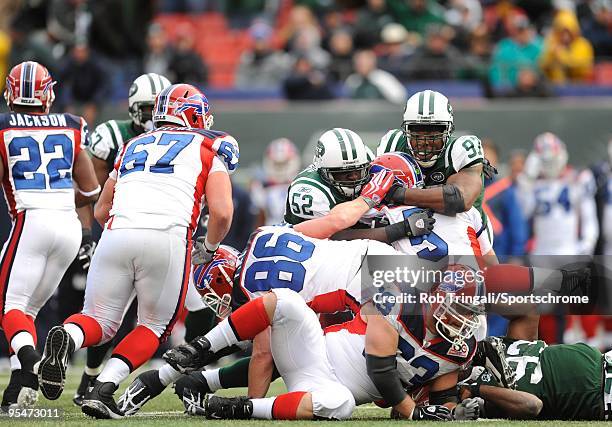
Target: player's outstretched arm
(506, 403)
(457, 195)
(88, 188)
(218, 193)
(105, 202)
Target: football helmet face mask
(343, 161)
(428, 124)
(281, 161)
(214, 280)
(183, 105)
(457, 309)
(29, 84)
(406, 170)
(552, 154)
(141, 99)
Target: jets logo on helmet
(407, 171)
(183, 105)
(343, 161)
(141, 98)
(29, 84)
(428, 124)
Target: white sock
(262, 408)
(212, 379)
(115, 371)
(546, 279)
(15, 363)
(168, 375)
(20, 340)
(92, 372)
(221, 336)
(76, 334)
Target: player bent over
(150, 206)
(42, 163)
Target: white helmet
(428, 124)
(343, 161)
(142, 94)
(552, 153)
(281, 161)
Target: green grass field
(166, 410)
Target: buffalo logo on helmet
(198, 102)
(204, 276)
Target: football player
(281, 163)
(452, 166)
(107, 140)
(327, 374)
(572, 381)
(338, 172)
(43, 166)
(150, 206)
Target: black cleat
(576, 282)
(228, 408)
(145, 387)
(194, 401)
(99, 402)
(190, 357)
(52, 369)
(86, 381)
(192, 390)
(28, 395)
(11, 392)
(491, 354)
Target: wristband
(474, 390)
(395, 232)
(399, 196)
(209, 246)
(90, 193)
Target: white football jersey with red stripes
(38, 153)
(462, 234)
(161, 176)
(326, 273)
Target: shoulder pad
(309, 199)
(393, 140)
(464, 152)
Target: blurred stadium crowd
(311, 49)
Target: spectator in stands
(465, 16)
(436, 59)
(307, 42)
(371, 19)
(396, 51)
(370, 82)
(521, 50)
(499, 17)
(341, 49)
(531, 84)
(332, 22)
(567, 56)
(159, 54)
(68, 21)
(262, 67)
(597, 26)
(478, 58)
(186, 65)
(300, 19)
(5, 51)
(417, 15)
(307, 82)
(84, 81)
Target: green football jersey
(461, 152)
(310, 197)
(109, 138)
(566, 377)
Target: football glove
(200, 254)
(431, 413)
(375, 190)
(395, 195)
(189, 357)
(469, 409)
(418, 223)
(86, 251)
(488, 169)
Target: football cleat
(28, 395)
(86, 381)
(228, 408)
(491, 354)
(11, 392)
(576, 282)
(145, 387)
(99, 402)
(194, 402)
(52, 369)
(190, 357)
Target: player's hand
(469, 409)
(488, 169)
(431, 413)
(375, 190)
(395, 195)
(86, 251)
(189, 357)
(200, 254)
(419, 223)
